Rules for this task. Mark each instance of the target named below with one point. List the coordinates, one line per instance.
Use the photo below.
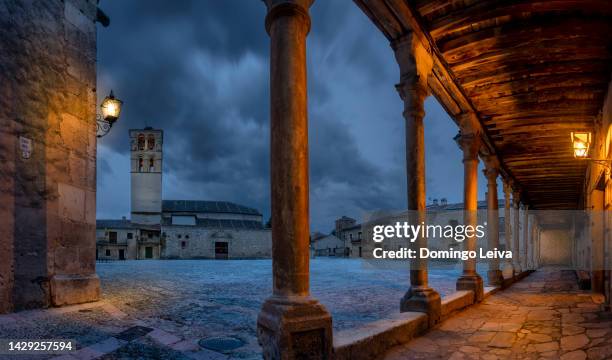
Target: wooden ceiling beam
(523, 74)
(485, 14)
(534, 70)
(409, 18)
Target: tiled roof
(198, 206)
(482, 204)
(221, 224)
(113, 224)
(124, 224)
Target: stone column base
(508, 271)
(294, 328)
(473, 283)
(495, 277)
(517, 269)
(74, 289)
(426, 300)
(597, 281)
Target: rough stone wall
(593, 247)
(200, 243)
(556, 247)
(8, 147)
(47, 60)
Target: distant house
(329, 245)
(349, 231)
(122, 239)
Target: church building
(177, 229)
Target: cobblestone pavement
(182, 302)
(544, 316)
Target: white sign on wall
(25, 144)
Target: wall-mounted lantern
(581, 141)
(110, 112)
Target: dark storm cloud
(199, 71)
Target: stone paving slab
(546, 317)
(184, 301)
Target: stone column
(532, 241)
(470, 144)
(413, 90)
(516, 256)
(597, 240)
(525, 248)
(291, 324)
(508, 266)
(536, 260)
(491, 171)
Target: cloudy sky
(199, 70)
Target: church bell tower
(146, 175)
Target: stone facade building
(329, 245)
(350, 232)
(122, 240)
(177, 229)
(47, 153)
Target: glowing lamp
(111, 108)
(581, 142)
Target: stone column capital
(280, 8)
(516, 198)
(470, 144)
(491, 170)
(507, 186)
(414, 66)
(405, 49)
(491, 175)
(413, 93)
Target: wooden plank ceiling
(533, 71)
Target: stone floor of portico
(543, 316)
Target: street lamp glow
(581, 142)
(111, 108)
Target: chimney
(443, 202)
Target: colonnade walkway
(543, 316)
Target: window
(179, 236)
(150, 235)
(351, 236)
(359, 235)
(183, 244)
(141, 142)
(130, 235)
(186, 236)
(140, 164)
(112, 237)
(107, 252)
(151, 165)
(151, 142)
